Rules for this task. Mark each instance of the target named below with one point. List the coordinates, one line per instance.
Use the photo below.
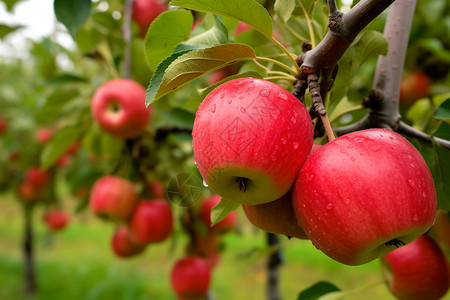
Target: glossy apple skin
(151, 222)
(56, 219)
(118, 106)
(276, 217)
(417, 271)
(123, 245)
(145, 11)
(225, 225)
(359, 192)
(190, 278)
(253, 129)
(36, 176)
(113, 198)
(414, 86)
(156, 189)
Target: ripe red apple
(414, 86)
(145, 11)
(276, 217)
(156, 189)
(417, 271)
(43, 135)
(226, 224)
(29, 192)
(241, 27)
(56, 219)
(113, 197)
(190, 278)
(36, 176)
(151, 222)
(119, 108)
(3, 125)
(123, 245)
(250, 139)
(364, 194)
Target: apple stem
(328, 128)
(242, 183)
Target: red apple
(63, 160)
(43, 135)
(151, 222)
(29, 192)
(113, 198)
(156, 189)
(241, 27)
(36, 176)
(276, 217)
(190, 278)
(145, 11)
(417, 271)
(226, 224)
(364, 194)
(56, 219)
(250, 139)
(123, 245)
(3, 125)
(414, 86)
(119, 108)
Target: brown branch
(28, 240)
(412, 132)
(126, 31)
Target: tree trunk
(274, 262)
(30, 279)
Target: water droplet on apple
(359, 140)
(243, 110)
(424, 194)
(352, 158)
(205, 184)
(264, 93)
(411, 183)
(229, 101)
(329, 206)
(241, 98)
(197, 114)
(213, 108)
(375, 148)
(282, 96)
(273, 157)
(412, 165)
(295, 145)
(310, 177)
(283, 141)
(347, 201)
(293, 120)
(222, 96)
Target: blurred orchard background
(48, 77)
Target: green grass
(77, 263)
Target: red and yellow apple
(113, 197)
(364, 194)
(190, 278)
(151, 222)
(414, 85)
(250, 138)
(145, 11)
(417, 271)
(118, 106)
(56, 219)
(123, 245)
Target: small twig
(412, 132)
(126, 30)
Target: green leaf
(65, 78)
(317, 290)
(165, 33)
(435, 46)
(284, 8)
(5, 30)
(55, 103)
(443, 111)
(221, 210)
(247, 11)
(72, 13)
(60, 142)
(367, 44)
(10, 4)
(215, 36)
(443, 131)
(441, 174)
(181, 68)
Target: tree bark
(28, 251)
(273, 264)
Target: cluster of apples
(141, 221)
(356, 198)
(191, 275)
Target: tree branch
(126, 31)
(28, 240)
(412, 132)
